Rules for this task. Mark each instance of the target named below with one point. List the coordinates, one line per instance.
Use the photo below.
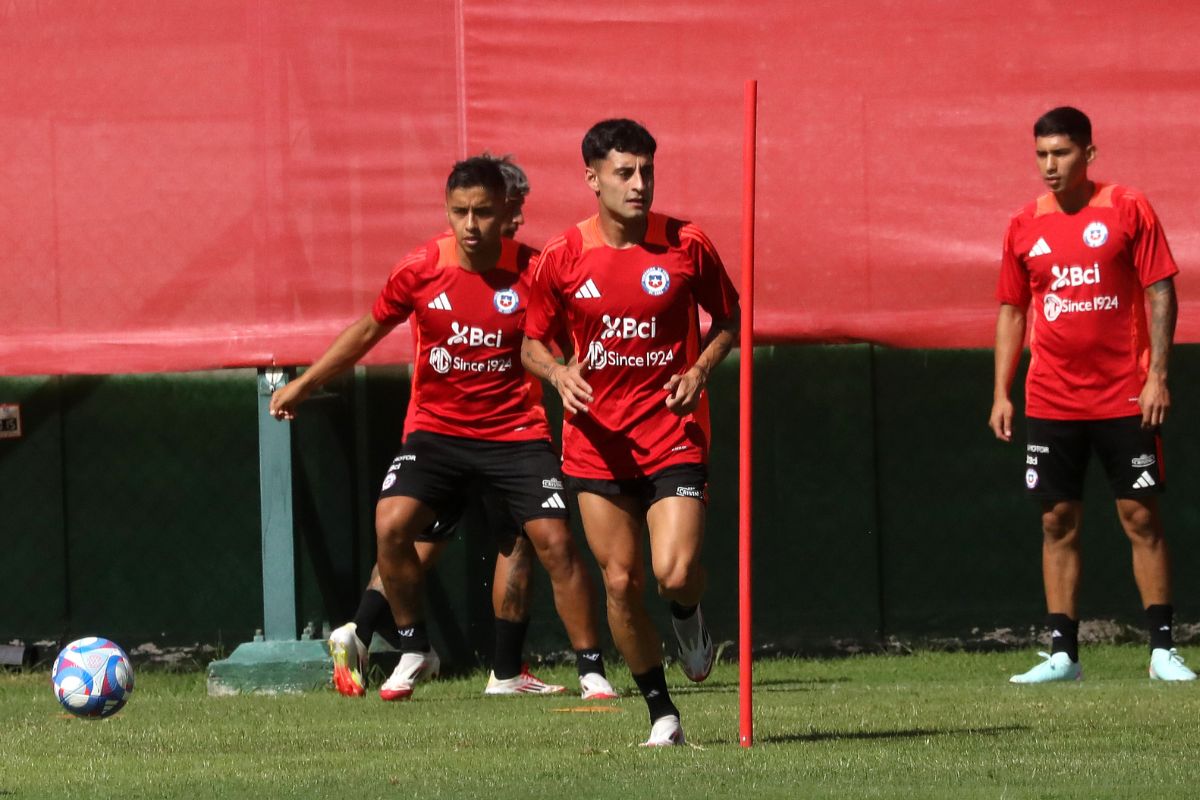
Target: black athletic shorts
(438, 470)
(1057, 454)
(680, 480)
(495, 512)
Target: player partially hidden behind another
(627, 284)
(1087, 255)
(474, 415)
(512, 583)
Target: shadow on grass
(712, 686)
(910, 733)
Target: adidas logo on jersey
(1144, 481)
(588, 291)
(441, 303)
(554, 502)
(1039, 249)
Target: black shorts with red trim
(440, 470)
(1057, 454)
(679, 480)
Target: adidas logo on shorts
(554, 502)
(1144, 481)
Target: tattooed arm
(1155, 399)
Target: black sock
(1064, 635)
(653, 686)
(414, 638)
(374, 615)
(1158, 620)
(682, 612)
(589, 660)
(510, 641)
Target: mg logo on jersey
(596, 355)
(629, 328)
(1095, 234)
(656, 281)
(506, 301)
(1075, 276)
(470, 335)
(440, 360)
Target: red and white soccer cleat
(525, 683)
(665, 732)
(349, 661)
(412, 668)
(594, 686)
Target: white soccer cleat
(413, 667)
(1167, 665)
(349, 661)
(594, 686)
(1057, 667)
(696, 651)
(525, 683)
(665, 732)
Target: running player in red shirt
(1086, 256)
(512, 583)
(627, 285)
(474, 415)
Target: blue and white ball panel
(92, 677)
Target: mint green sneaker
(1057, 667)
(1167, 665)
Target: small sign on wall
(10, 421)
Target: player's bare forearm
(538, 359)
(684, 389)
(350, 345)
(1010, 339)
(718, 343)
(1155, 398)
(567, 380)
(1164, 310)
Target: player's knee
(1140, 523)
(1059, 522)
(623, 585)
(556, 552)
(678, 577)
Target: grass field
(930, 725)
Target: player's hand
(1154, 401)
(285, 399)
(683, 391)
(575, 392)
(1001, 419)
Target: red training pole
(746, 381)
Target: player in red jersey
(474, 416)
(627, 285)
(512, 584)
(1088, 255)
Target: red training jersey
(468, 380)
(1085, 273)
(632, 314)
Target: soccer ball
(92, 677)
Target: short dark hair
(622, 135)
(516, 182)
(1065, 121)
(478, 171)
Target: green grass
(929, 725)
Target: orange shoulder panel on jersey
(1103, 198)
(447, 251)
(589, 233)
(1046, 204)
(415, 258)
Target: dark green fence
(884, 507)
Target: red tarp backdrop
(195, 185)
